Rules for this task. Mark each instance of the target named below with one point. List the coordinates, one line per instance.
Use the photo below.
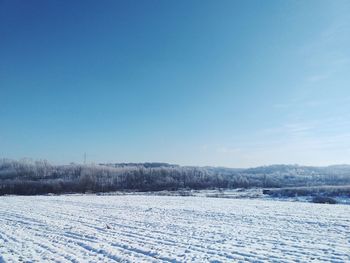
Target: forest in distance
(28, 177)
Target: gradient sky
(224, 83)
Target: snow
(145, 228)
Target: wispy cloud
(318, 77)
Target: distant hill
(146, 165)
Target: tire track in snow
(170, 229)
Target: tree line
(27, 177)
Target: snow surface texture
(131, 228)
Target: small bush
(323, 200)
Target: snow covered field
(136, 228)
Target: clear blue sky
(225, 83)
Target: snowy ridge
(132, 228)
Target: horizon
(31, 160)
(226, 84)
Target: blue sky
(224, 83)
